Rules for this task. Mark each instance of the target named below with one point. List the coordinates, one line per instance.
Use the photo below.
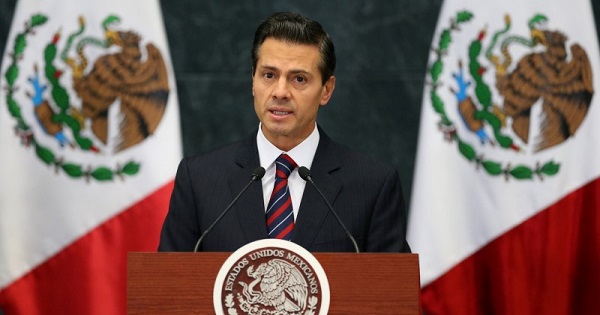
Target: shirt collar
(303, 154)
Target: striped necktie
(280, 214)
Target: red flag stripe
(549, 264)
(89, 276)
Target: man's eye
(269, 75)
(300, 79)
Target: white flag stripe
(43, 210)
(457, 208)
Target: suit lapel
(313, 208)
(250, 207)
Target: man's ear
(328, 88)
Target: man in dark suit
(293, 67)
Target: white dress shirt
(303, 154)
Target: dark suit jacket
(366, 195)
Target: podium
(182, 283)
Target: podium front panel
(182, 283)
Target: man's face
(288, 91)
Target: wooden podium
(182, 283)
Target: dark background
(382, 49)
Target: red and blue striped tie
(280, 214)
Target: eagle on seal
(282, 286)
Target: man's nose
(282, 89)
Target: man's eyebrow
(296, 71)
(292, 71)
(268, 67)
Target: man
(292, 77)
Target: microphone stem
(335, 214)
(254, 178)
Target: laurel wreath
(252, 309)
(494, 168)
(74, 170)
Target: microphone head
(304, 172)
(258, 173)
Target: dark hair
(296, 29)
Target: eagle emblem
(141, 86)
(281, 286)
(564, 87)
(524, 103)
(99, 95)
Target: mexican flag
(89, 145)
(505, 211)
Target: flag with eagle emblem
(505, 211)
(89, 145)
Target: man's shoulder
(361, 163)
(354, 157)
(227, 152)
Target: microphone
(305, 174)
(257, 174)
